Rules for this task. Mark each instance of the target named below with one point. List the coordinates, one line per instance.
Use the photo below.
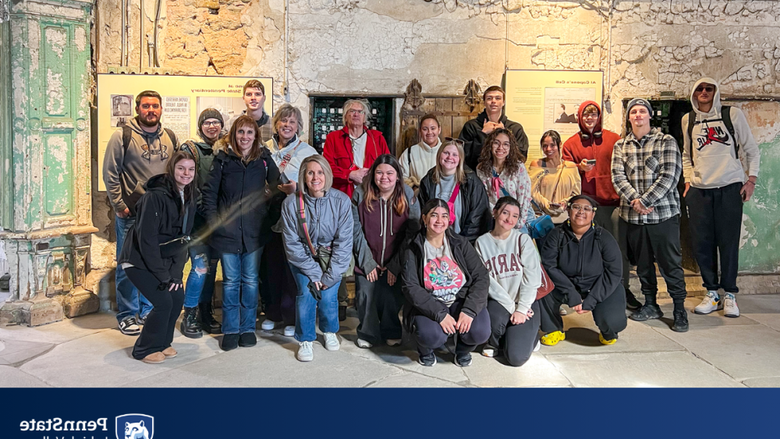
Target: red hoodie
(338, 153)
(598, 182)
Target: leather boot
(208, 323)
(190, 326)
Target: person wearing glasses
(553, 181)
(421, 157)
(646, 166)
(460, 187)
(716, 186)
(490, 119)
(585, 265)
(591, 149)
(501, 170)
(352, 150)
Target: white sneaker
(305, 352)
(289, 331)
(710, 303)
(267, 325)
(489, 351)
(538, 346)
(331, 341)
(730, 308)
(362, 344)
(393, 342)
(562, 311)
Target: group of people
(438, 238)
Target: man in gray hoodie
(716, 186)
(136, 152)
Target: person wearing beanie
(592, 143)
(716, 186)
(646, 166)
(200, 282)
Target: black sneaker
(647, 312)
(680, 321)
(129, 326)
(427, 360)
(229, 342)
(247, 340)
(631, 302)
(141, 320)
(463, 360)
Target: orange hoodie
(596, 183)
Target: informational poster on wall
(543, 100)
(184, 97)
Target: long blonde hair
(460, 172)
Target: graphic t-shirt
(442, 274)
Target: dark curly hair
(513, 160)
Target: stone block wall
(379, 46)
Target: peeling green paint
(760, 239)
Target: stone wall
(379, 46)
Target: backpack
(726, 117)
(127, 134)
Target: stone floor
(716, 352)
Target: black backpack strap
(691, 122)
(127, 134)
(172, 136)
(725, 112)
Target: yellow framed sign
(184, 97)
(543, 100)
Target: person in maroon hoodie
(352, 150)
(386, 216)
(591, 149)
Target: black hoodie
(421, 301)
(160, 218)
(474, 138)
(587, 270)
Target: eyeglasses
(586, 209)
(353, 111)
(212, 124)
(497, 144)
(701, 88)
(454, 140)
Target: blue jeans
(200, 282)
(307, 308)
(240, 291)
(129, 302)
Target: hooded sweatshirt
(417, 160)
(473, 138)
(126, 171)
(596, 183)
(715, 163)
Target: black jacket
(235, 201)
(587, 270)
(421, 301)
(476, 218)
(159, 219)
(474, 138)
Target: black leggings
(609, 315)
(517, 341)
(429, 335)
(157, 333)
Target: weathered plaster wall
(379, 46)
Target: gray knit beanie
(210, 113)
(642, 102)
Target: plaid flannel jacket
(649, 169)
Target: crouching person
(446, 286)
(512, 261)
(317, 232)
(155, 251)
(585, 264)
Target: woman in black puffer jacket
(155, 251)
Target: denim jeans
(200, 285)
(240, 291)
(307, 308)
(129, 302)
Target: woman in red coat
(352, 150)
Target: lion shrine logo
(134, 426)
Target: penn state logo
(134, 426)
